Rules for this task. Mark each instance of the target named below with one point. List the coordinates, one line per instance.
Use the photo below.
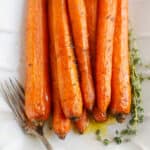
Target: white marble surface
(12, 64)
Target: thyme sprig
(137, 111)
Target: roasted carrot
(104, 48)
(121, 89)
(61, 124)
(37, 89)
(78, 22)
(91, 10)
(82, 123)
(68, 83)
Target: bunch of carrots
(77, 62)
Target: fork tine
(14, 101)
(7, 98)
(17, 93)
(18, 87)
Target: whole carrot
(104, 48)
(68, 83)
(77, 13)
(82, 123)
(121, 89)
(61, 124)
(91, 9)
(37, 89)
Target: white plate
(12, 64)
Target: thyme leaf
(106, 141)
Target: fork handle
(43, 140)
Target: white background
(12, 13)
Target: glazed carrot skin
(68, 83)
(104, 48)
(61, 124)
(37, 95)
(82, 123)
(98, 115)
(77, 13)
(91, 10)
(121, 89)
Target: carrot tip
(99, 116)
(121, 117)
(62, 137)
(81, 132)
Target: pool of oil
(103, 127)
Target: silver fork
(14, 95)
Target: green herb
(118, 140)
(99, 138)
(98, 132)
(142, 77)
(136, 114)
(106, 141)
(128, 131)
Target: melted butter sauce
(94, 126)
